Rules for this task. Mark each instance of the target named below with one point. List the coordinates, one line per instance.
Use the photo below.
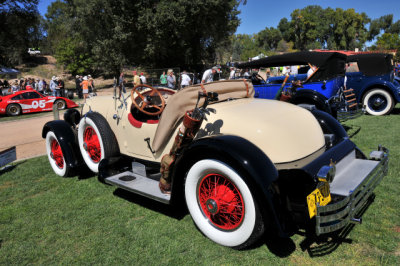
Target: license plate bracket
(320, 196)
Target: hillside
(45, 66)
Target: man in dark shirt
(78, 87)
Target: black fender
(68, 142)
(330, 125)
(313, 97)
(245, 157)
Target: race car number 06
(36, 104)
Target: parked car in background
(323, 89)
(31, 101)
(372, 78)
(33, 51)
(254, 166)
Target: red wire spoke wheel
(92, 144)
(221, 201)
(57, 154)
(222, 205)
(96, 140)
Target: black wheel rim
(377, 102)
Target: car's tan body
(289, 135)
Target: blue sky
(258, 14)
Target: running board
(138, 184)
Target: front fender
(253, 164)
(67, 139)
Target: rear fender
(68, 142)
(312, 97)
(384, 85)
(330, 125)
(255, 167)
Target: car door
(131, 134)
(32, 102)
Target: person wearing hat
(78, 87)
(136, 78)
(53, 86)
(85, 87)
(208, 75)
(143, 78)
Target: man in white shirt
(208, 75)
(143, 78)
(232, 73)
(185, 79)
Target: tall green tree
(19, 22)
(268, 38)
(155, 33)
(314, 27)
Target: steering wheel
(145, 101)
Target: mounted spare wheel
(96, 140)
(222, 205)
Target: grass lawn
(45, 219)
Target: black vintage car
(323, 88)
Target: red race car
(31, 101)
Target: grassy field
(45, 219)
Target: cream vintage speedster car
(253, 165)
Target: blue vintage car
(324, 89)
(372, 78)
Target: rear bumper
(344, 209)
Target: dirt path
(26, 135)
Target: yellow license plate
(321, 195)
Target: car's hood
(285, 132)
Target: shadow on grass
(395, 111)
(176, 213)
(352, 130)
(281, 247)
(326, 244)
(9, 168)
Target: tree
(384, 23)
(315, 27)
(19, 20)
(155, 33)
(286, 30)
(389, 41)
(268, 38)
(71, 53)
